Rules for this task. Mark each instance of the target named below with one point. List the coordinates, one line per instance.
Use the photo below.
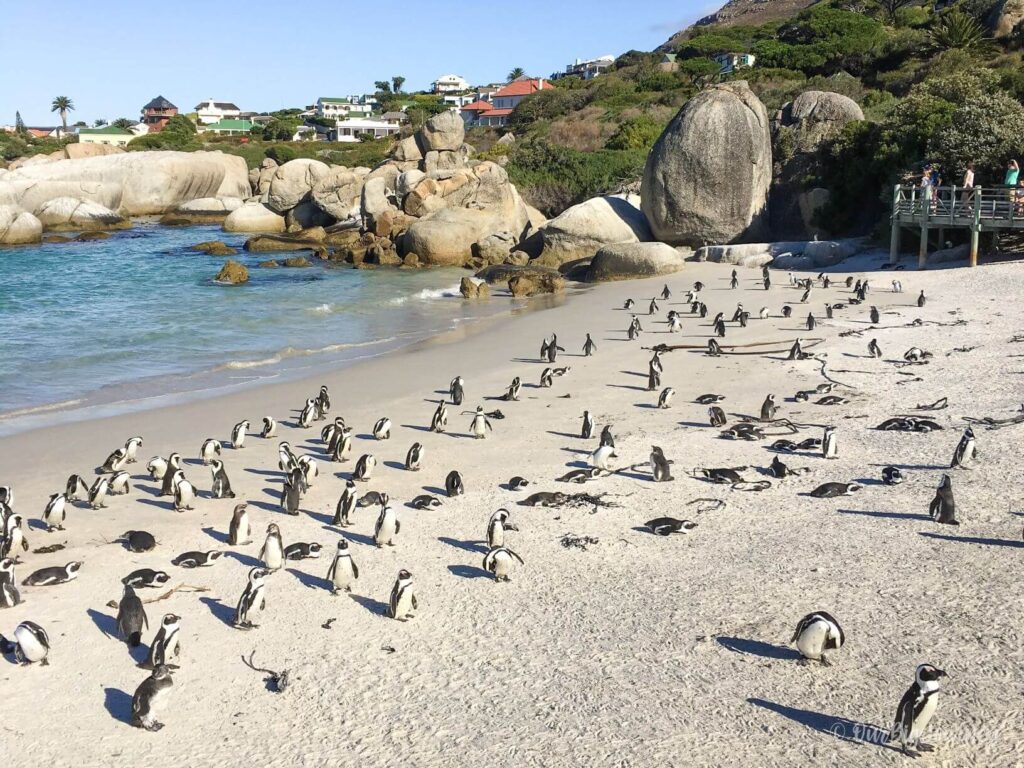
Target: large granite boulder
(131, 183)
(293, 183)
(446, 238)
(18, 227)
(1006, 18)
(78, 151)
(204, 210)
(338, 193)
(407, 150)
(254, 217)
(68, 213)
(374, 200)
(580, 231)
(533, 285)
(707, 177)
(628, 261)
(443, 132)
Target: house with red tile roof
(506, 99)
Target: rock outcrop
(580, 231)
(232, 273)
(707, 177)
(213, 248)
(254, 217)
(293, 183)
(533, 285)
(68, 213)
(1006, 18)
(628, 261)
(18, 227)
(474, 289)
(338, 193)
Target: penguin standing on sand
(602, 456)
(546, 378)
(660, 469)
(916, 709)
(157, 468)
(323, 400)
(829, 444)
(131, 448)
(184, 492)
(173, 464)
(768, 408)
(346, 505)
(921, 300)
(551, 349)
(457, 390)
(291, 492)
(628, 304)
(9, 594)
(76, 489)
(269, 427)
(343, 570)
(496, 528)
(414, 458)
(716, 416)
(386, 528)
(131, 618)
(149, 699)
(943, 507)
(382, 429)
(307, 414)
(238, 433)
(480, 424)
(340, 446)
(734, 281)
(589, 347)
(666, 294)
(588, 426)
(272, 553)
(55, 512)
(240, 531)
(498, 561)
(874, 316)
(209, 450)
(816, 633)
(221, 484)
(115, 462)
(120, 484)
(653, 379)
(364, 467)
(965, 451)
(13, 537)
(652, 308)
(453, 484)
(254, 597)
(811, 322)
(512, 393)
(98, 493)
(873, 349)
(167, 642)
(665, 398)
(403, 599)
(607, 438)
(440, 419)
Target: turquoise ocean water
(138, 316)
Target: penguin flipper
(415, 605)
(355, 570)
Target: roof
(230, 125)
(358, 122)
(107, 130)
(330, 100)
(159, 103)
(520, 88)
(217, 105)
(41, 133)
(449, 77)
(478, 106)
(496, 113)
(394, 116)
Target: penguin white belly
(386, 533)
(496, 537)
(30, 647)
(502, 565)
(273, 556)
(922, 720)
(403, 606)
(812, 640)
(343, 574)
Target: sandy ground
(638, 650)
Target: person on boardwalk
(968, 193)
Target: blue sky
(112, 56)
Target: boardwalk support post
(894, 237)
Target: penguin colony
(818, 636)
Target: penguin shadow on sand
(841, 728)
(216, 535)
(476, 547)
(349, 535)
(570, 435)
(651, 406)
(37, 525)
(220, 609)
(1013, 543)
(147, 489)
(627, 386)
(309, 580)
(395, 465)
(760, 648)
(887, 515)
(373, 606)
(105, 623)
(417, 427)
(468, 571)
(119, 704)
(247, 560)
(263, 472)
(161, 503)
(321, 517)
(433, 490)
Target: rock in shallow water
(232, 273)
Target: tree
(382, 86)
(516, 73)
(957, 30)
(63, 105)
(98, 122)
(891, 8)
(123, 122)
(396, 83)
(19, 124)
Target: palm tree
(63, 104)
(396, 83)
(957, 29)
(516, 73)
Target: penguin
(139, 541)
(588, 426)
(166, 644)
(310, 471)
(664, 526)
(628, 304)
(767, 282)
(55, 512)
(323, 399)
(943, 507)
(891, 476)
(811, 322)
(364, 467)
(874, 316)
(916, 709)
(873, 349)
(453, 484)
(238, 433)
(269, 427)
(157, 468)
(480, 424)
(698, 286)
(763, 314)
(716, 416)
(98, 493)
(787, 311)
(221, 484)
(340, 446)
(13, 538)
(829, 445)
(965, 451)
(601, 457)
(666, 294)
(580, 475)
(115, 462)
(171, 467)
(403, 599)
(675, 323)
(386, 528)
(31, 644)
(496, 527)
(660, 469)
(382, 429)
(425, 501)
(546, 378)
(456, 390)
(414, 458)
(734, 281)
(209, 450)
(185, 492)
(829, 311)
(145, 577)
(512, 393)
(197, 559)
(897, 286)
(254, 597)
(301, 550)
(440, 419)
(778, 469)
(709, 399)
(665, 398)
(607, 438)
(291, 492)
(632, 332)
(807, 295)
(131, 618)
(832, 400)
(720, 328)
(149, 699)
(714, 350)
(553, 349)
(10, 596)
(76, 489)
(653, 380)
(652, 308)
(589, 347)
(816, 633)
(517, 483)
(240, 532)
(54, 574)
(498, 561)
(272, 553)
(286, 458)
(343, 570)
(768, 408)
(831, 490)
(921, 300)
(849, 280)
(346, 505)
(131, 448)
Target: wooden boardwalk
(988, 209)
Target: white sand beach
(638, 650)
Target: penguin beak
(941, 673)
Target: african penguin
(272, 552)
(57, 574)
(149, 699)
(343, 570)
(916, 708)
(166, 644)
(239, 532)
(403, 599)
(498, 561)
(131, 617)
(816, 633)
(386, 528)
(254, 597)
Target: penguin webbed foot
(803, 661)
(153, 727)
(924, 747)
(824, 661)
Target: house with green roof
(108, 134)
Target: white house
(458, 101)
(341, 108)
(729, 62)
(450, 84)
(352, 128)
(211, 111)
(108, 134)
(588, 69)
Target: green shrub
(636, 133)
(281, 153)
